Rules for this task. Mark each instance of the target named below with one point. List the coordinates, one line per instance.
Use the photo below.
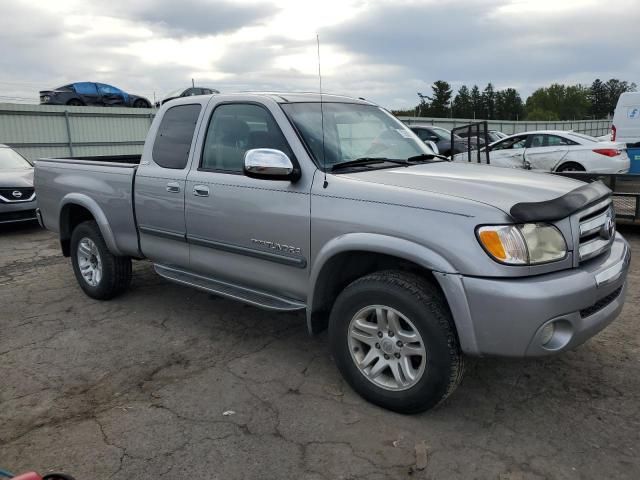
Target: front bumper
(18, 211)
(506, 317)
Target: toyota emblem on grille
(16, 194)
(608, 228)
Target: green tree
(598, 96)
(489, 102)
(509, 105)
(462, 106)
(423, 107)
(538, 114)
(476, 102)
(615, 88)
(440, 100)
(567, 103)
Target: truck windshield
(11, 160)
(353, 131)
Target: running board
(236, 292)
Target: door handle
(173, 187)
(201, 190)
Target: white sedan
(556, 151)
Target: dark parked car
(92, 94)
(442, 138)
(187, 92)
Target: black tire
(116, 271)
(140, 104)
(424, 304)
(570, 167)
(74, 102)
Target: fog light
(547, 333)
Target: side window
(554, 140)
(85, 88)
(175, 133)
(236, 128)
(511, 143)
(537, 141)
(105, 89)
(423, 134)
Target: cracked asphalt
(169, 382)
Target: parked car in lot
(626, 120)
(17, 195)
(494, 136)
(442, 138)
(187, 92)
(557, 151)
(337, 209)
(92, 94)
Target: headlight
(527, 244)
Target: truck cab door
(545, 151)
(248, 232)
(509, 152)
(160, 187)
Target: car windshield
(12, 160)
(175, 93)
(353, 131)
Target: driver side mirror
(433, 138)
(269, 164)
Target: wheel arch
(351, 256)
(76, 208)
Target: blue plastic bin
(634, 156)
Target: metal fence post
(70, 141)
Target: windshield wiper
(363, 161)
(428, 157)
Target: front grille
(19, 194)
(21, 216)
(600, 304)
(596, 229)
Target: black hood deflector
(560, 207)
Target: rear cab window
(175, 134)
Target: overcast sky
(385, 51)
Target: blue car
(92, 94)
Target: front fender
(92, 206)
(373, 243)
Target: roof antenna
(324, 161)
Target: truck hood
(22, 178)
(495, 186)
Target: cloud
(385, 50)
(197, 17)
(477, 42)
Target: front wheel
(140, 104)
(101, 274)
(393, 339)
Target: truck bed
(102, 185)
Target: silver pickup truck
(333, 207)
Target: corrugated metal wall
(39, 131)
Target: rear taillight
(608, 152)
(613, 133)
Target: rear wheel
(393, 340)
(100, 274)
(570, 167)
